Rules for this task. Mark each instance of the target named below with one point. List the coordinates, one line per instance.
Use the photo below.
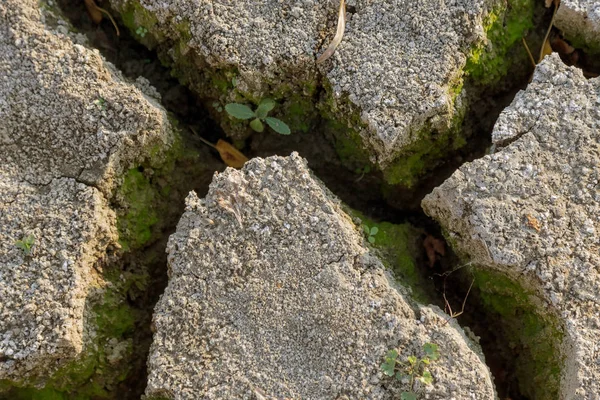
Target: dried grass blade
(339, 34)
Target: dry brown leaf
(93, 11)
(546, 50)
(230, 155)
(433, 248)
(561, 46)
(533, 222)
(96, 14)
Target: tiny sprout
(100, 103)
(242, 111)
(413, 369)
(217, 106)
(141, 31)
(371, 232)
(26, 244)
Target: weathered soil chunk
(393, 84)
(531, 211)
(69, 127)
(273, 294)
(43, 294)
(580, 21)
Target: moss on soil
(398, 247)
(107, 355)
(504, 26)
(532, 332)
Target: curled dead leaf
(433, 248)
(96, 12)
(230, 155)
(93, 11)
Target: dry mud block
(272, 294)
(392, 93)
(530, 212)
(69, 128)
(580, 21)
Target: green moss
(135, 16)
(590, 47)
(533, 332)
(489, 62)
(397, 244)
(135, 226)
(93, 375)
(425, 153)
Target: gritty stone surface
(64, 111)
(580, 19)
(396, 67)
(399, 63)
(531, 209)
(43, 294)
(272, 294)
(69, 125)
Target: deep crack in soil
(363, 193)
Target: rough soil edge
(488, 63)
(108, 355)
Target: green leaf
(367, 169)
(412, 360)
(264, 107)
(425, 361)
(366, 229)
(426, 378)
(26, 244)
(432, 350)
(239, 111)
(391, 354)
(408, 396)
(257, 125)
(278, 125)
(388, 366)
(371, 239)
(374, 231)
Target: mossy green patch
(105, 360)
(534, 333)
(489, 62)
(425, 153)
(135, 16)
(135, 226)
(397, 244)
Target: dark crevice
(362, 192)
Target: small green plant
(242, 111)
(362, 171)
(217, 106)
(371, 232)
(413, 369)
(100, 103)
(26, 244)
(141, 31)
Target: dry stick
(548, 33)
(452, 314)
(528, 52)
(341, 26)
(92, 3)
(202, 139)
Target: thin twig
(111, 19)
(548, 32)
(528, 52)
(206, 142)
(339, 34)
